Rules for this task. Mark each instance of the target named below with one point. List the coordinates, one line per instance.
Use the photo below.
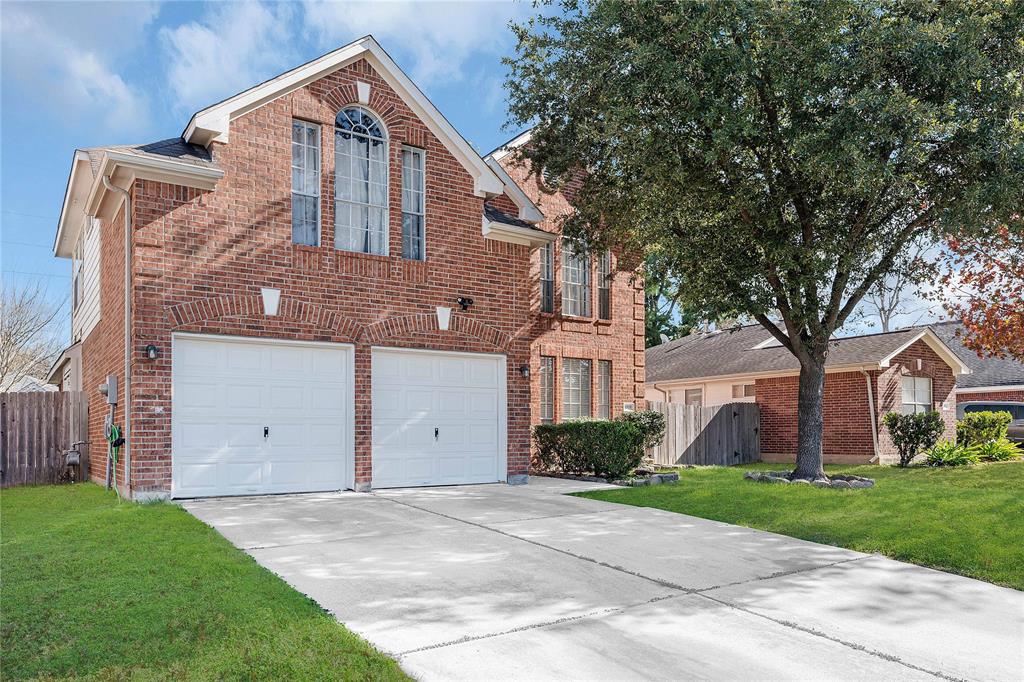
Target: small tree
(29, 338)
(912, 434)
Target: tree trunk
(810, 421)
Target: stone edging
(837, 481)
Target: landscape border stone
(839, 481)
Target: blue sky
(81, 74)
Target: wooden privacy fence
(718, 435)
(35, 430)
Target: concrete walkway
(497, 582)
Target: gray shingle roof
(733, 351)
(984, 371)
(171, 148)
(495, 215)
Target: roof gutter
(873, 416)
(127, 431)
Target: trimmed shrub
(1000, 450)
(913, 433)
(950, 454)
(982, 427)
(650, 423)
(611, 449)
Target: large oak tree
(785, 153)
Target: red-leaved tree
(985, 285)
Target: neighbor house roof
(985, 372)
(752, 350)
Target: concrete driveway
(497, 582)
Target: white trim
(212, 124)
(528, 210)
(990, 389)
(349, 446)
(937, 345)
(769, 374)
(501, 474)
(75, 195)
(516, 234)
(363, 92)
(516, 142)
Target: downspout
(874, 417)
(127, 431)
(656, 387)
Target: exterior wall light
(524, 370)
(152, 352)
(464, 301)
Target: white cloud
(232, 47)
(64, 54)
(440, 39)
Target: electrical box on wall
(109, 389)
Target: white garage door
(259, 416)
(438, 418)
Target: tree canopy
(784, 153)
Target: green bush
(913, 433)
(997, 450)
(982, 427)
(950, 454)
(610, 449)
(650, 423)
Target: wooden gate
(715, 435)
(35, 430)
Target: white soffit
(213, 123)
(516, 234)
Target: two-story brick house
(320, 285)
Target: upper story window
(604, 286)
(413, 204)
(361, 182)
(917, 395)
(305, 183)
(547, 278)
(575, 280)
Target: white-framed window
(744, 390)
(575, 388)
(305, 183)
(547, 278)
(413, 204)
(604, 389)
(917, 395)
(693, 396)
(604, 286)
(547, 389)
(76, 274)
(575, 280)
(361, 182)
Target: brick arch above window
(401, 325)
(251, 306)
(345, 96)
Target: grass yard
(95, 589)
(967, 520)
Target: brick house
(320, 285)
(865, 378)
(991, 379)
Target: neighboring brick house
(865, 378)
(328, 288)
(991, 379)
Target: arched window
(360, 182)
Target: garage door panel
(415, 393)
(225, 391)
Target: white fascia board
(936, 344)
(528, 210)
(70, 222)
(991, 389)
(751, 376)
(511, 145)
(516, 234)
(213, 123)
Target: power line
(40, 274)
(38, 246)
(30, 215)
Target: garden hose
(116, 441)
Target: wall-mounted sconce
(464, 301)
(524, 370)
(152, 352)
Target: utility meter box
(109, 389)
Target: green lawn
(967, 520)
(94, 588)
